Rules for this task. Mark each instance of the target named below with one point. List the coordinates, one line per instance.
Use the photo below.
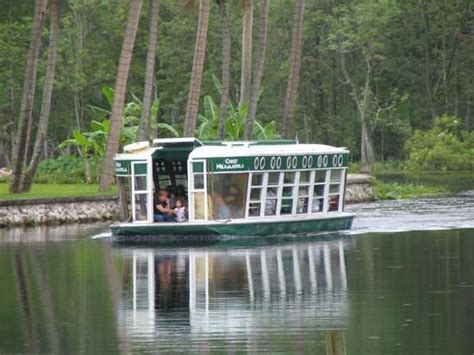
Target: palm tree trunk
(28, 95)
(260, 63)
(225, 67)
(295, 68)
(246, 70)
(150, 70)
(120, 89)
(46, 101)
(198, 68)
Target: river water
(401, 281)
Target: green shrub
(62, 170)
(445, 147)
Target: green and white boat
(255, 188)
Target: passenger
(181, 194)
(180, 210)
(234, 199)
(164, 212)
(221, 209)
(171, 196)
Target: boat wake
(455, 212)
(103, 235)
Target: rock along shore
(360, 188)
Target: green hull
(215, 232)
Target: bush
(62, 170)
(445, 147)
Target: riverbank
(84, 209)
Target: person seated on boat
(171, 195)
(234, 200)
(220, 208)
(164, 211)
(181, 194)
(180, 210)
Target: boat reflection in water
(217, 299)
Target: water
(400, 281)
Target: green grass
(397, 191)
(54, 190)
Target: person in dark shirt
(163, 210)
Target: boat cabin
(235, 180)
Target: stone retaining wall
(58, 210)
(360, 188)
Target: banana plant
(235, 124)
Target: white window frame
(340, 190)
(148, 192)
(192, 190)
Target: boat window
(255, 197)
(287, 196)
(257, 179)
(140, 183)
(199, 205)
(335, 184)
(198, 181)
(226, 195)
(273, 179)
(305, 177)
(289, 177)
(303, 192)
(272, 193)
(318, 191)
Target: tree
(197, 70)
(113, 140)
(259, 65)
(226, 42)
(357, 30)
(150, 70)
(46, 101)
(288, 129)
(28, 95)
(246, 70)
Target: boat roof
(232, 150)
(213, 149)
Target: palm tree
(46, 101)
(246, 70)
(225, 26)
(198, 67)
(120, 89)
(150, 70)
(260, 63)
(288, 129)
(28, 95)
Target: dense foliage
(445, 147)
(409, 62)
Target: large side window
(318, 191)
(335, 184)
(303, 192)
(226, 195)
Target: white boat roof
(210, 151)
(143, 154)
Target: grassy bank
(54, 190)
(397, 191)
